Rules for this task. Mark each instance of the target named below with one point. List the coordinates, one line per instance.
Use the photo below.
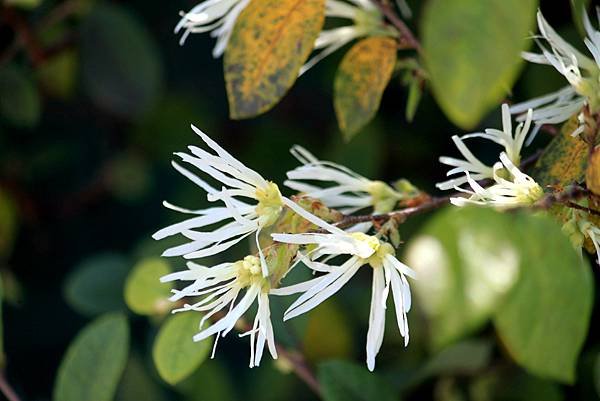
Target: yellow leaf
(360, 80)
(565, 159)
(269, 43)
(592, 175)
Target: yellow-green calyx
(589, 87)
(530, 194)
(269, 204)
(384, 198)
(249, 272)
(380, 249)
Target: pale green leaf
(175, 354)
(545, 318)
(472, 52)
(144, 293)
(466, 262)
(93, 364)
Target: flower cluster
(581, 72)
(511, 187)
(248, 205)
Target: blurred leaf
(137, 384)
(19, 98)
(472, 52)
(58, 75)
(269, 43)
(577, 9)
(121, 67)
(414, 98)
(544, 332)
(564, 160)
(144, 293)
(592, 175)
(25, 4)
(175, 353)
(94, 362)
(361, 78)
(466, 260)
(96, 284)
(167, 128)
(8, 224)
(327, 318)
(363, 153)
(210, 382)
(467, 357)
(345, 381)
(129, 178)
(12, 290)
(504, 384)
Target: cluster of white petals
(361, 250)
(217, 288)
(247, 204)
(215, 16)
(347, 192)
(581, 72)
(471, 168)
(517, 189)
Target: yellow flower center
(269, 204)
(249, 271)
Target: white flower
(580, 71)
(217, 16)
(242, 218)
(519, 190)
(511, 142)
(363, 250)
(350, 191)
(218, 288)
(366, 20)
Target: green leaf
(128, 177)
(545, 320)
(269, 43)
(345, 381)
(137, 384)
(577, 9)
(361, 78)
(96, 285)
(175, 353)
(467, 357)
(472, 52)
(121, 67)
(144, 293)
(467, 262)
(507, 383)
(564, 160)
(20, 102)
(8, 224)
(415, 92)
(94, 362)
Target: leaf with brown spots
(269, 43)
(565, 159)
(592, 174)
(360, 80)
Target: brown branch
(408, 38)
(6, 389)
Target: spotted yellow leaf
(360, 80)
(269, 43)
(565, 159)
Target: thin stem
(301, 368)
(7, 390)
(406, 34)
